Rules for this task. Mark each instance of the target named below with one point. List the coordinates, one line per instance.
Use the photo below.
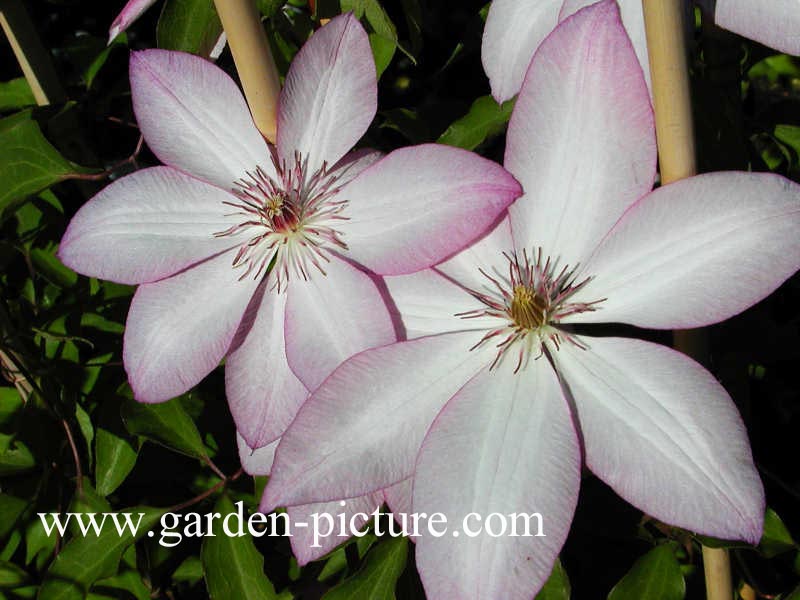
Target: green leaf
(233, 567)
(10, 403)
(11, 508)
(337, 560)
(789, 135)
(94, 67)
(46, 263)
(190, 570)
(115, 449)
(167, 424)
(557, 586)
(85, 560)
(87, 430)
(776, 538)
(12, 543)
(382, 51)
(100, 323)
(655, 576)
(128, 581)
(37, 542)
(11, 576)
(17, 457)
(381, 27)
(774, 67)
(188, 25)
(376, 580)
(28, 162)
(16, 94)
(88, 501)
(484, 119)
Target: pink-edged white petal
(353, 163)
(132, 10)
(581, 139)
(487, 255)
(420, 205)
(429, 303)
(194, 118)
(385, 399)
(513, 31)
(505, 446)
(263, 392)
(696, 252)
(775, 23)
(147, 226)
(398, 498)
(306, 548)
(330, 94)
(355, 512)
(632, 19)
(256, 461)
(331, 317)
(665, 435)
(180, 328)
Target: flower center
(527, 310)
(289, 221)
(274, 206)
(532, 297)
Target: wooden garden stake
(664, 25)
(31, 55)
(254, 63)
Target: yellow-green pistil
(532, 298)
(527, 310)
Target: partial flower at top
(515, 29)
(134, 9)
(491, 405)
(263, 254)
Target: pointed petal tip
(330, 94)
(253, 440)
(113, 32)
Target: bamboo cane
(664, 25)
(254, 63)
(33, 58)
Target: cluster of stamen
(532, 297)
(289, 221)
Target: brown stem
(664, 26)
(217, 471)
(75, 456)
(108, 172)
(254, 63)
(210, 491)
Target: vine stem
(210, 491)
(254, 62)
(666, 45)
(75, 457)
